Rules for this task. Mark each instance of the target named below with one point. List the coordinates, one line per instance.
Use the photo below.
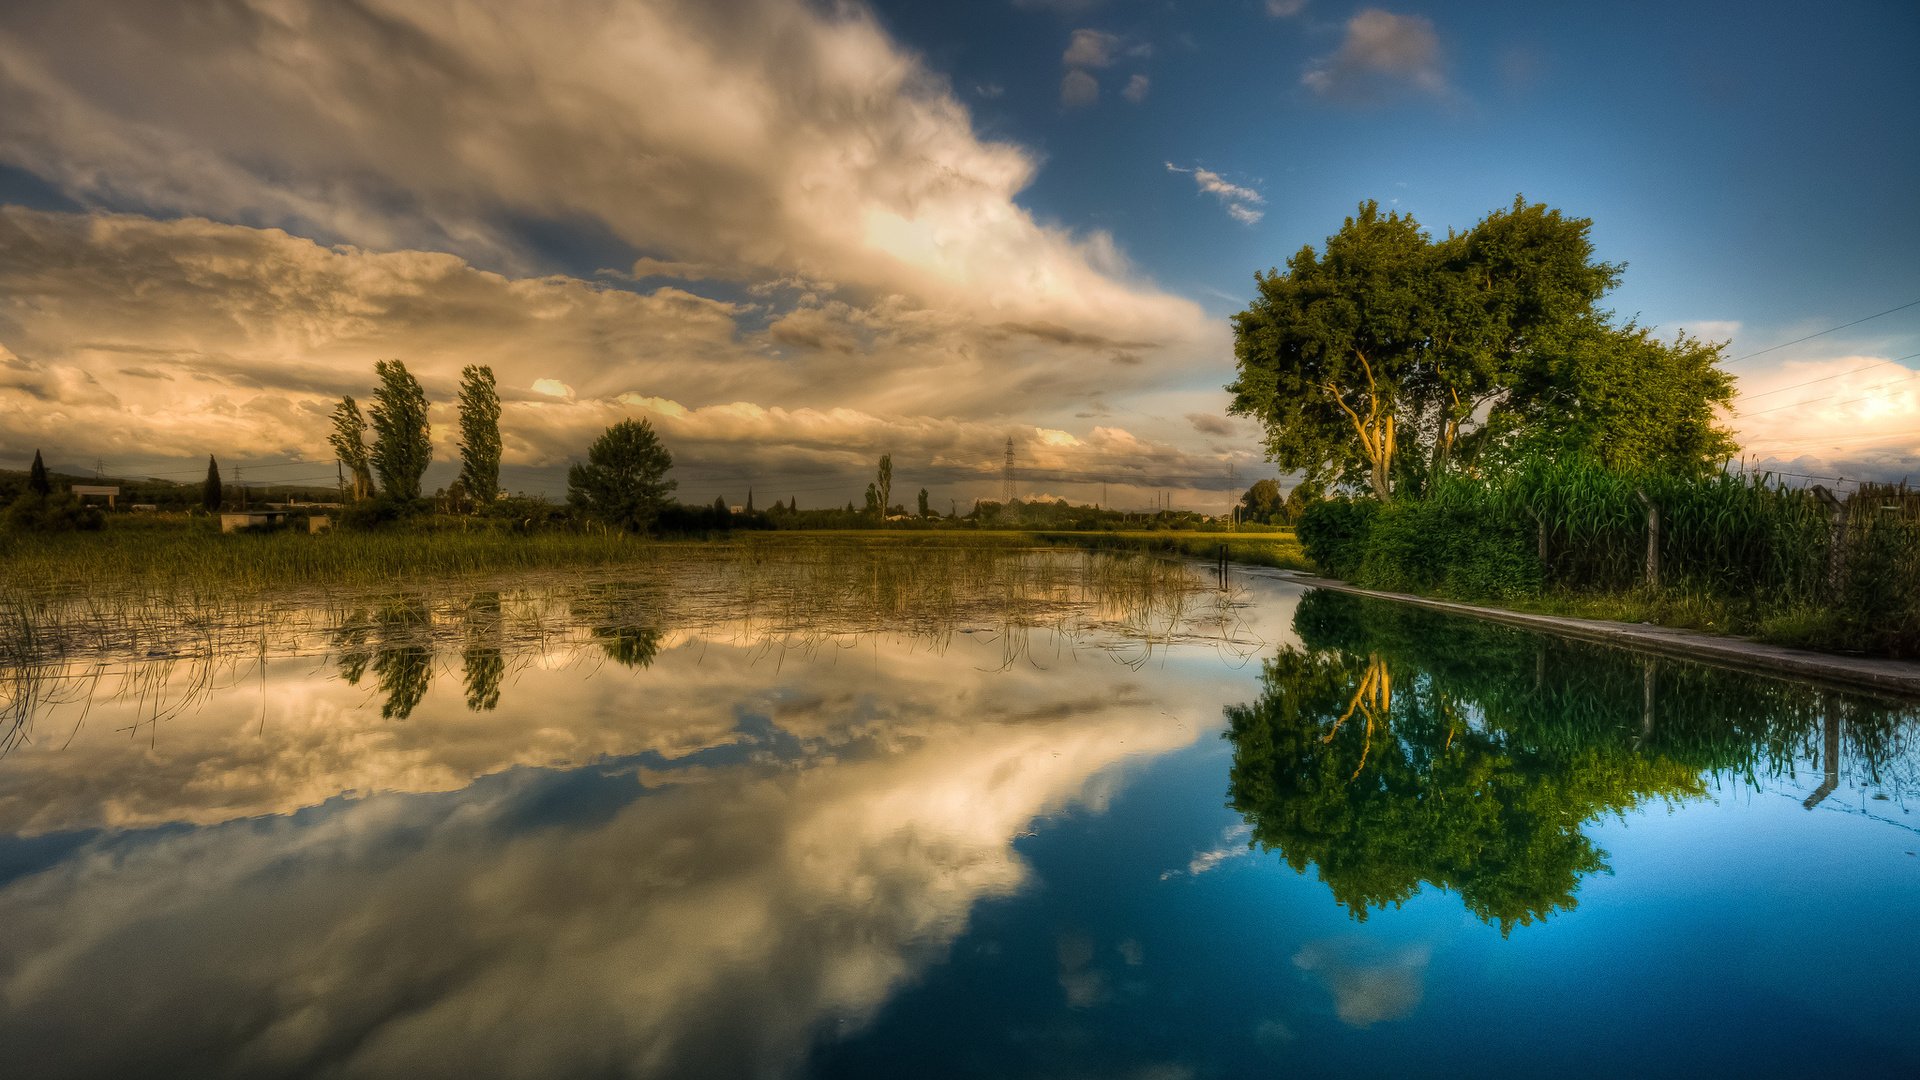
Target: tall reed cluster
(1734, 552)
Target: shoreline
(1899, 678)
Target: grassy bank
(190, 554)
(1277, 548)
(1730, 554)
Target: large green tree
(401, 447)
(349, 442)
(1624, 398)
(624, 481)
(883, 485)
(1374, 359)
(479, 403)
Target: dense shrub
(1452, 543)
(1335, 531)
(31, 513)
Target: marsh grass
(164, 634)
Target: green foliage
(31, 513)
(1738, 553)
(1334, 533)
(623, 482)
(924, 512)
(212, 491)
(479, 404)
(401, 447)
(1623, 399)
(350, 445)
(37, 480)
(1389, 358)
(1444, 544)
(1264, 504)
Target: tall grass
(1737, 553)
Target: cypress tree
(212, 494)
(37, 481)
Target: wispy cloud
(1381, 52)
(1136, 90)
(1240, 201)
(1285, 9)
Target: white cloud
(1136, 89)
(1381, 51)
(1078, 89)
(1239, 201)
(1853, 416)
(1091, 48)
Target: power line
(1910, 376)
(1827, 378)
(1822, 333)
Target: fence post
(1653, 539)
(1836, 540)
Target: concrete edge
(1892, 678)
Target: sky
(795, 236)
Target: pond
(852, 811)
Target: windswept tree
(624, 481)
(1375, 358)
(38, 483)
(349, 442)
(401, 449)
(883, 485)
(479, 403)
(213, 493)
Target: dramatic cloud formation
(180, 338)
(1239, 201)
(867, 258)
(1381, 50)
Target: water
(1054, 815)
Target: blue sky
(1750, 162)
(795, 236)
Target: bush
(1451, 543)
(1335, 534)
(31, 513)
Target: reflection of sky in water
(876, 860)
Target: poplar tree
(479, 434)
(401, 449)
(350, 445)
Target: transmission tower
(1006, 485)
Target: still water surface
(1055, 815)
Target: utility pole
(1006, 485)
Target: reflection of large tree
(481, 661)
(1398, 748)
(393, 642)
